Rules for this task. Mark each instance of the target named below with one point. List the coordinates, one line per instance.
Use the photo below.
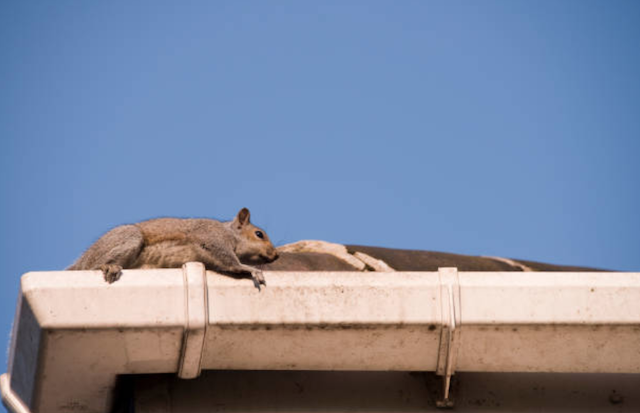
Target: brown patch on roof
(412, 260)
(308, 261)
(540, 266)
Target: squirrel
(229, 247)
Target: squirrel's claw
(112, 272)
(258, 278)
(256, 283)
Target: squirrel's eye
(259, 234)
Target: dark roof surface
(408, 260)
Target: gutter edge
(9, 398)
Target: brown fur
(163, 229)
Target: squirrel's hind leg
(115, 250)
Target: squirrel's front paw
(258, 278)
(112, 272)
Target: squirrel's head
(254, 246)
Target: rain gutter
(74, 334)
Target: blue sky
(505, 128)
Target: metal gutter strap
(9, 398)
(196, 320)
(450, 332)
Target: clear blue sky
(506, 128)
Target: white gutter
(74, 333)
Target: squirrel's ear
(243, 216)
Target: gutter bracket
(196, 319)
(450, 332)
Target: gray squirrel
(229, 247)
